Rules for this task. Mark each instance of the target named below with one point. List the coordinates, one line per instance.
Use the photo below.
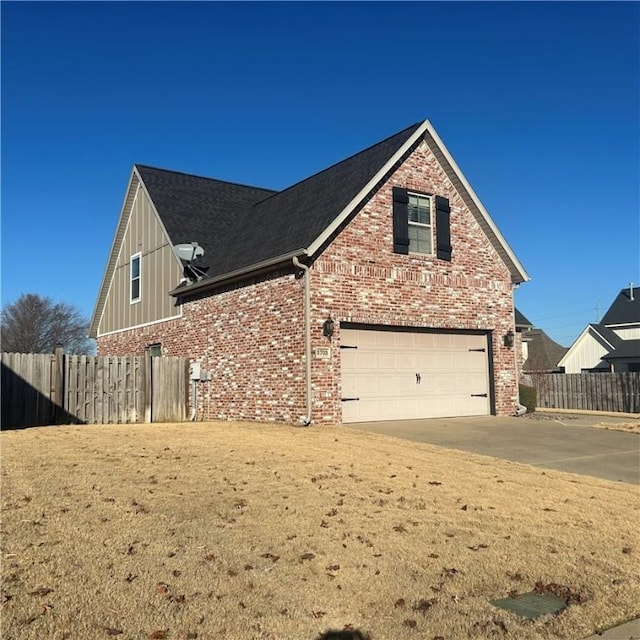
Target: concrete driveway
(566, 444)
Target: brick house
(379, 288)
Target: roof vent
(631, 291)
(189, 253)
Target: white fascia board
(600, 336)
(344, 214)
(424, 127)
(123, 221)
(624, 325)
(578, 343)
(478, 203)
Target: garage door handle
(348, 399)
(418, 378)
(478, 395)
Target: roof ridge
(194, 175)
(337, 164)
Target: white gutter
(306, 420)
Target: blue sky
(538, 103)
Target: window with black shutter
(414, 215)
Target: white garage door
(398, 375)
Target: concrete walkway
(566, 444)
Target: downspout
(306, 420)
(520, 408)
(194, 400)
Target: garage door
(398, 375)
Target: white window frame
(429, 197)
(135, 256)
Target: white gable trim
(520, 274)
(135, 182)
(485, 214)
(330, 230)
(635, 323)
(578, 342)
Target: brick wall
(252, 337)
(252, 340)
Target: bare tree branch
(37, 324)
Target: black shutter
(443, 229)
(400, 221)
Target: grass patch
(223, 530)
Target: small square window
(420, 226)
(155, 350)
(135, 277)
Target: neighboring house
(523, 324)
(611, 345)
(542, 353)
(379, 288)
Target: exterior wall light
(508, 339)
(328, 327)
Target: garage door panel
(381, 372)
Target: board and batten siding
(627, 333)
(587, 354)
(160, 272)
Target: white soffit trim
(465, 183)
(326, 234)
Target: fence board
(616, 392)
(40, 389)
(168, 373)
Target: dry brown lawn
(221, 530)
(633, 426)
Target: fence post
(57, 385)
(148, 385)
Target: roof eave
(344, 214)
(237, 274)
(518, 272)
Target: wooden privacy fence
(40, 389)
(588, 391)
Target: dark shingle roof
(543, 352)
(624, 309)
(239, 226)
(626, 349)
(522, 321)
(295, 217)
(196, 209)
(608, 334)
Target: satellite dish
(188, 252)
